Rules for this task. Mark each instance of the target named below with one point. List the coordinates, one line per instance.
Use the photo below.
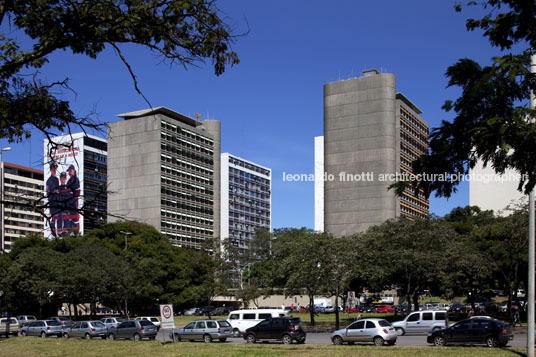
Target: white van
(421, 322)
(241, 320)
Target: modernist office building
(164, 170)
(245, 199)
(81, 160)
(370, 132)
(22, 188)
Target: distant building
(490, 191)
(22, 188)
(164, 170)
(245, 199)
(371, 134)
(75, 178)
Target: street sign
(166, 315)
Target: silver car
(86, 329)
(133, 329)
(205, 330)
(110, 322)
(43, 328)
(377, 331)
(25, 319)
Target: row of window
(247, 165)
(18, 183)
(185, 196)
(29, 217)
(186, 217)
(413, 121)
(23, 224)
(412, 131)
(179, 205)
(186, 185)
(178, 162)
(186, 144)
(186, 133)
(92, 175)
(206, 160)
(246, 218)
(417, 145)
(20, 192)
(90, 155)
(239, 207)
(249, 201)
(186, 228)
(408, 212)
(249, 186)
(248, 176)
(186, 175)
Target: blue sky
(271, 104)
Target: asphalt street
(519, 341)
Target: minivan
(422, 322)
(241, 320)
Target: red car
(385, 308)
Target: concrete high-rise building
(22, 189)
(75, 174)
(245, 199)
(371, 135)
(164, 170)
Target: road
(519, 341)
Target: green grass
(60, 347)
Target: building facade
(164, 170)
(22, 189)
(75, 183)
(246, 199)
(371, 135)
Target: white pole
(530, 310)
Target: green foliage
(182, 32)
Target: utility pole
(530, 310)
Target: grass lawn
(34, 346)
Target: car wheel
(439, 341)
(65, 335)
(207, 338)
(23, 333)
(43, 334)
(250, 338)
(111, 336)
(236, 332)
(391, 343)
(176, 338)
(287, 340)
(378, 341)
(301, 340)
(491, 341)
(337, 340)
(87, 336)
(152, 338)
(137, 337)
(223, 339)
(400, 331)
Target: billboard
(64, 166)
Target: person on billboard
(74, 185)
(52, 186)
(65, 214)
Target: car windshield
(63, 318)
(120, 319)
(53, 323)
(295, 321)
(223, 323)
(384, 323)
(146, 323)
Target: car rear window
(53, 323)
(384, 323)
(295, 321)
(223, 323)
(63, 318)
(146, 323)
(8, 321)
(121, 319)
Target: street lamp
(2, 196)
(126, 236)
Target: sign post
(166, 315)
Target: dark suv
(491, 332)
(286, 329)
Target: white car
(154, 320)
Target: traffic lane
(519, 341)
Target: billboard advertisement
(63, 169)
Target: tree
(490, 121)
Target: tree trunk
(312, 309)
(416, 300)
(337, 309)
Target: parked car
(241, 320)
(86, 329)
(133, 329)
(421, 322)
(192, 312)
(9, 326)
(385, 308)
(153, 319)
(63, 320)
(458, 308)
(331, 309)
(222, 311)
(43, 328)
(110, 322)
(205, 330)
(489, 331)
(286, 329)
(377, 331)
(25, 319)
